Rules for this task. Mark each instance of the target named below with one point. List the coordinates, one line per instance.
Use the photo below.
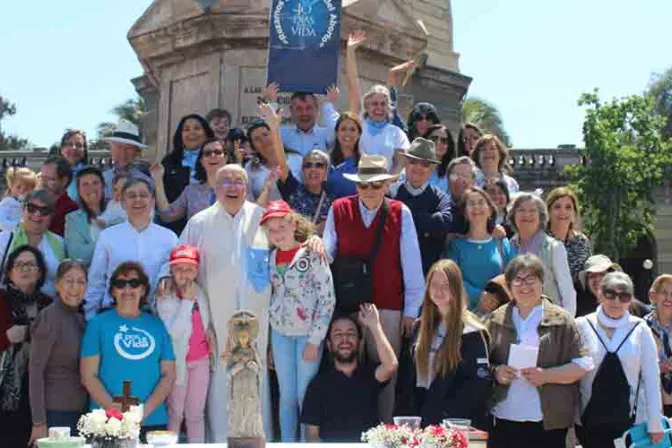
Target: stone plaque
(251, 94)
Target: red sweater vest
(354, 239)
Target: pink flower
(114, 413)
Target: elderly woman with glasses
(38, 209)
(625, 385)
(538, 359)
(528, 218)
(128, 344)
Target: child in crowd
(114, 213)
(302, 303)
(185, 313)
(20, 181)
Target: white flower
(113, 428)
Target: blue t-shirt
(480, 261)
(338, 185)
(129, 349)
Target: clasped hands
(535, 375)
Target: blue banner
(304, 44)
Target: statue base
(246, 442)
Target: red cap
(276, 209)
(184, 253)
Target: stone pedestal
(199, 55)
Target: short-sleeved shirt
(129, 349)
(343, 406)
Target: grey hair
(463, 160)
(524, 197)
(377, 89)
(619, 281)
(317, 154)
(233, 167)
(42, 195)
(524, 262)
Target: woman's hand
(271, 93)
(535, 375)
(39, 432)
(656, 437)
(397, 74)
(310, 353)
(316, 245)
(356, 39)
(499, 232)
(332, 94)
(505, 374)
(17, 333)
(157, 171)
(272, 119)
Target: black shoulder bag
(353, 277)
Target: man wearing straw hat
(396, 273)
(125, 148)
(431, 208)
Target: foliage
(9, 142)
(132, 110)
(660, 90)
(626, 154)
(486, 116)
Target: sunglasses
(366, 185)
(39, 209)
(211, 152)
(120, 283)
(319, 165)
(437, 139)
(623, 297)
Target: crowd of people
(392, 268)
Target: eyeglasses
(319, 165)
(232, 183)
(25, 266)
(39, 209)
(464, 176)
(73, 145)
(623, 297)
(438, 139)
(134, 196)
(211, 152)
(366, 185)
(422, 163)
(121, 283)
(530, 280)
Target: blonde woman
(564, 224)
(379, 135)
(451, 351)
(660, 322)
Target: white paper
(523, 356)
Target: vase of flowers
(111, 428)
(438, 436)
(391, 436)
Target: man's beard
(347, 359)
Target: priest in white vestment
(234, 273)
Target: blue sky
(66, 64)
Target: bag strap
(379, 231)
(598, 335)
(4, 256)
(626, 337)
(633, 414)
(323, 196)
(619, 345)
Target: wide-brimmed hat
(597, 263)
(126, 132)
(371, 168)
(422, 149)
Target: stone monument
(202, 54)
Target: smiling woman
(126, 343)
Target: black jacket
(463, 393)
(175, 179)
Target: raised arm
(157, 171)
(354, 94)
(369, 317)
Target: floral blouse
(303, 299)
(579, 249)
(303, 201)
(193, 199)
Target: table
(472, 444)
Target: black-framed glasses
(42, 210)
(623, 297)
(530, 280)
(121, 283)
(320, 165)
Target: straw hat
(371, 168)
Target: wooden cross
(126, 399)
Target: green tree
(626, 154)
(132, 110)
(9, 142)
(660, 90)
(486, 116)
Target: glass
(232, 183)
(133, 196)
(465, 176)
(623, 297)
(367, 185)
(411, 422)
(211, 152)
(121, 283)
(462, 425)
(162, 438)
(41, 210)
(25, 266)
(319, 165)
(530, 280)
